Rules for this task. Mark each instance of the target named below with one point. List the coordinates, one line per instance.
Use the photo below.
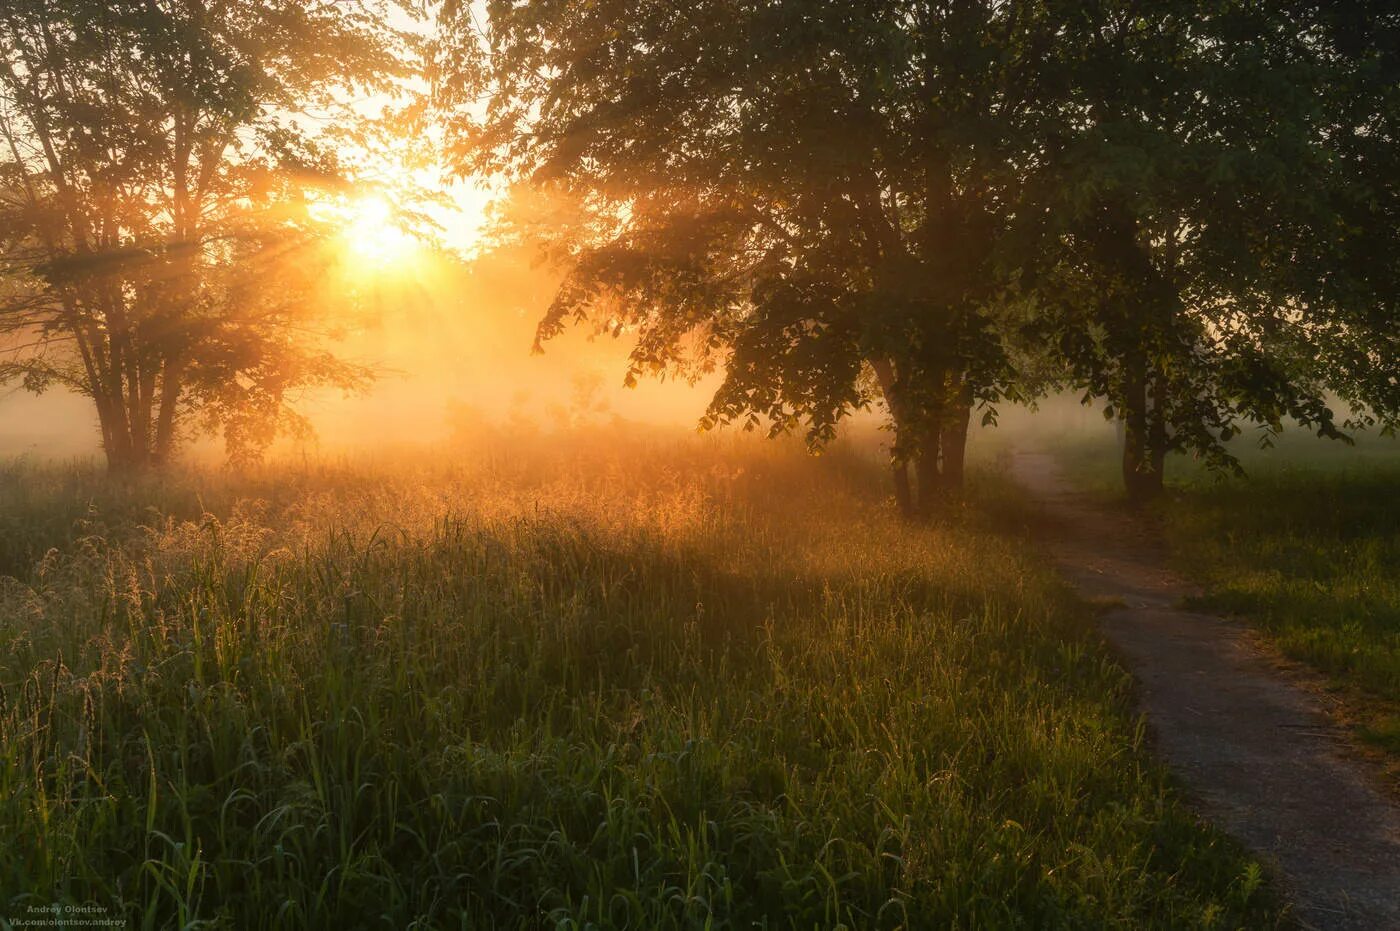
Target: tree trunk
(899, 455)
(903, 493)
(930, 473)
(954, 447)
(1140, 480)
(165, 422)
(112, 448)
(116, 435)
(1157, 439)
(130, 440)
(954, 425)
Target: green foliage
(651, 687)
(1188, 207)
(1198, 223)
(795, 189)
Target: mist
(451, 343)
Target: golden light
(372, 233)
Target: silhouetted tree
(1191, 205)
(1219, 199)
(151, 181)
(809, 192)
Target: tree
(1343, 265)
(1191, 205)
(1205, 266)
(809, 193)
(154, 188)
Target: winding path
(1253, 748)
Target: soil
(1250, 741)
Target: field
(1307, 548)
(598, 682)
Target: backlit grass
(610, 684)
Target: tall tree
(1205, 267)
(808, 192)
(152, 180)
(849, 201)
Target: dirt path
(1254, 749)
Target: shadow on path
(1254, 749)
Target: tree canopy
(811, 191)
(895, 200)
(1191, 199)
(1186, 209)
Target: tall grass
(609, 685)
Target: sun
(373, 234)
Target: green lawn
(608, 685)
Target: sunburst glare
(374, 233)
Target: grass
(608, 684)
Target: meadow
(586, 682)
